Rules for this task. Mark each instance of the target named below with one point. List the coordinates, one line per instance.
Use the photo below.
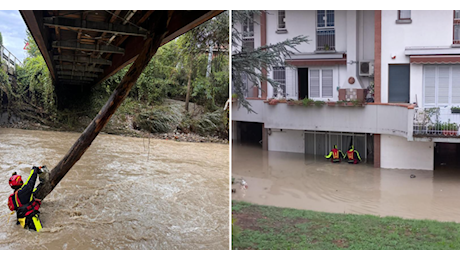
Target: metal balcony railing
(436, 122)
(325, 39)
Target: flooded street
(120, 195)
(295, 181)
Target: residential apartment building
(410, 59)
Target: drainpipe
(352, 51)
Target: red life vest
(335, 153)
(350, 154)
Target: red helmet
(15, 181)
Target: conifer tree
(249, 63)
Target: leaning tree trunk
(158, 31)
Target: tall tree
(250, 63)
(1, 39)
(206, 37)
(32, 50)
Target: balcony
(436, 122)
(391, 119)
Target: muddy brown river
(295, 181)
(118, 196)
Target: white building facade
(410, 58)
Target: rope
(8, 215)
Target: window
(248, 34)
(321, 83)
(325, 31)
(279, 75)
(248, 27)
(281, 19)
(398, 83)
(404, 15)
(250, 90)
(456, 27)
(441, 85)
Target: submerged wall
(398, 153)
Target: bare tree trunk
(208, 68)
(189, 86)
(151, 45)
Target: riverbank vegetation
(265, 227)
(183, 90)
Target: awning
(317, 62)
(323, 59)
(435, 59)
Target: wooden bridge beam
(78, 68)
(82, 59)
(104, 27)
(72, 45)
(77, 73)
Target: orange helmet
(15, 181)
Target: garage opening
(320, 143)
(249, 133)
(446, 156)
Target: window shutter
(443, 85)
(456, 84)
(314, 83)
(430, 87)
(327, 83)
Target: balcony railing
(325, 39)
(9, 60)
(436, 122)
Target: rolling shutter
(443, 85)
(327, 83)
(314, 83)
(430, 85)
(456, 84)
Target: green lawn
(264, 227)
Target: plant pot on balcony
(291, 102)
(455, 110)
(449, 132)
(273, 102)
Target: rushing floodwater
(294, 181)
(118, 196)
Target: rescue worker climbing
(353, 155)
(334, 155)
(23, 199)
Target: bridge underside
(83, 48)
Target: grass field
(264, 227)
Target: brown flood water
(114, 198)
(294, 181)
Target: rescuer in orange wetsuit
(334, 155)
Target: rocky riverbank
(125, 124)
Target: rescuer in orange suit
(334, 155)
